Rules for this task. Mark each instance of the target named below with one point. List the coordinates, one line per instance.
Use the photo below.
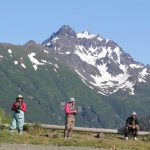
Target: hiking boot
(11, 131)
(20, 133)
(135, 138)
(65, 138)
(126, 138)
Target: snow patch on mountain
(136, 66)
(67, 52)
(10, 52)
(80, 74)
(23, 65)
(83, 79)
(107, 81)
(100, 38)
(54, 40)
(34, 61)
(56, 59)
(45, 51)
(84, 55)
(16, 62)
(1, 56)
(144, 73)
(86, 35)
(44, 61)
(104, 80)
(56, 66)
(128, 86)
(87, 84)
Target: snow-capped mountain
(101, 63)
(79, 65)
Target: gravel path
(40, 147)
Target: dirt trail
(40, 147)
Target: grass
(37, 135)
(4, 118)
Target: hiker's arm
(14, 107)
(128, 123)
(23, 107)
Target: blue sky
(125, 22)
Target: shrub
(4, 118)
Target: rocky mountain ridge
(101, 63)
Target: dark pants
(131, 130)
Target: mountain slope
(100, 62)
(106, 82)
(47, 84)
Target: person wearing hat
(132, 125)
(18, 107)
(70, 112)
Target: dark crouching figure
(132, 125)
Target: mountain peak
(108, 67)
(66, 27)
(66, 30)
(30, 42)
(62, 33)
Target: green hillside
(46, 89)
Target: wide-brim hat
(134, 114)
(72, 99)
(19, 97)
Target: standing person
(19, 107)
(70, 117)
(132, 125)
